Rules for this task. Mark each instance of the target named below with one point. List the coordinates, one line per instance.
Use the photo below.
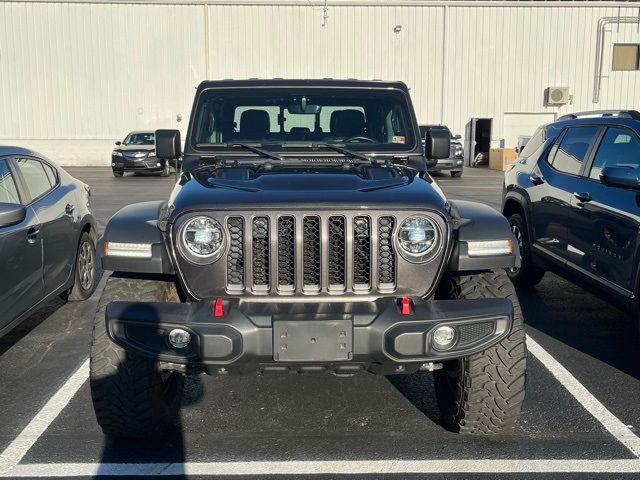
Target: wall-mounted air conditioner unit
(556, 96)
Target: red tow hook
(218, 310)
(405, 306)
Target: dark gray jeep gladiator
(304, 235)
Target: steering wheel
(359, 139)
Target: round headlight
(202, 240)
(417, 236)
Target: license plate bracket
(312, 340)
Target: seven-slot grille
(311, 253)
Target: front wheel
(85, 269)
(117, 174)
(131, 396)
(456, 173)
(527, 275)
(482, 394)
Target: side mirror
(457, 137)
(118, 143)
(437, 143)
(11, 214)
(168, 145)
(625, 177)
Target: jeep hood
(289, 188)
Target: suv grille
(311, 254)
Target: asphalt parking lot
(580, 420)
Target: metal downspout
(602, 24)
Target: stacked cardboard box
(501, 158)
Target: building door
(478, 141)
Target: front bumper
(307, 337)
(146, 164)
(444, 164)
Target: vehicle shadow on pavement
(582, 321)
(418, 388)
(27, 326)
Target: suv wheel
(528, 275)
(117, 174)
(456, 173)
(131, 396)
(483, 393)
(85, 269)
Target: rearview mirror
(118, 143)
(625, 177)
(168, 145)
(11, 214)
(437, 143)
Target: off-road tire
(483, 393)
(117, 174)
(456, 174)
(528, 275)
(83, 287)
(131, 397)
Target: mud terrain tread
(123, 386)
(491, 387)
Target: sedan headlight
(417, 236)
(116, 154)
(202, 240)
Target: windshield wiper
(259, 151)
(344, 151)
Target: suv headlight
(417, 237)
(458, 151)
(202, 240)
(116, 154)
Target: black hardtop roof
(322, 82)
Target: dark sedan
(137, 153)
(47, 235)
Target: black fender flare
(137, 223)
(523, 202)
(478, 222)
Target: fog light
(158, 164)
(179, 338)
(443, 337)
(459, 162)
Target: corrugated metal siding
(95, 71)
(77, 71)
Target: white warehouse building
(77, 75)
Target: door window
(8, 190)
(573, 149)
(35, 176)
(619, 148)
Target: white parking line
(350, 467)
(591, 404)
(39, 424)
(10, 466)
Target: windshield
(365, 119)
(139, 139)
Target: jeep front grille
(311, 253)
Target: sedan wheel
(85, 277)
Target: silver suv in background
(454, 163)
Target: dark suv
(573, 202)
(305, 236)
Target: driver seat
(348, 123)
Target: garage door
(516, 124)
